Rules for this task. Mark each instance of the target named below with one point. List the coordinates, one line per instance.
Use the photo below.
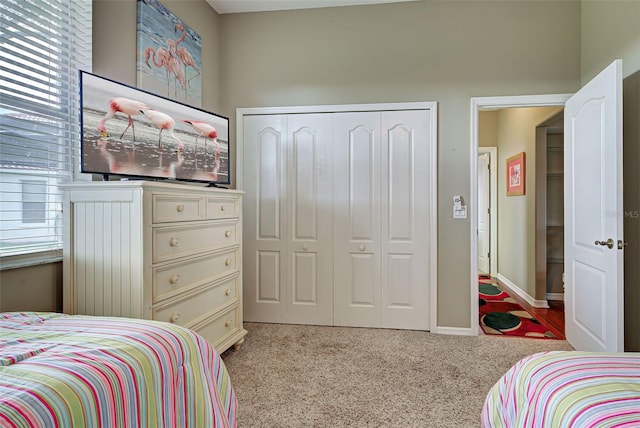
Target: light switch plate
(461, 213)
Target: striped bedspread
(567, 389)
(80, 371)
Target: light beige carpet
(308, 376)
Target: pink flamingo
(122, 105)
(163, 58)
(205, 130)
(182, 52)
(179, 27)
(162, 121)
(187, 61)
(216, 161)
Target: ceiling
(239, 6)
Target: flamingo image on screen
(129, 132)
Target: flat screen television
(129, 132)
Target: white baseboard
(455, 331)
(555, 296)
(530, 300)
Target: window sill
(31, 259)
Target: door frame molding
(493, 206)
(342, 108)
(492, 103)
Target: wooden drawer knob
(175, 241)
(175, 317)
(228, 323)
(227, 262)
(227, 292)
(174, 278)
(223, 208)
(180, 208)
(227, 233)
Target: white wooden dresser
(161, 251)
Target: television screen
(129, 132)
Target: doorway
(490, 103)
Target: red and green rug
(500, 314)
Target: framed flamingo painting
(168, 54)
(128, 132)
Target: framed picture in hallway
(516, 175)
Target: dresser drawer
(176, 278)
(222, 326)
(167, 208)
(178, 241)
(222, 208)
(188, 309)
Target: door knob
(607, 243)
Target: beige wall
(419, 51)
(610, 30)
(488, 128)
(631, 159)
(35, 288)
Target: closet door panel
(405, 184)
(310, 247)
(265, 216)
(356, 219)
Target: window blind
(43, 44)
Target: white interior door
(310, 225)
(405, 198)
(356, 210)
(484, 220)
(265, 211)
(594, 214)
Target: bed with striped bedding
(567, 389)
(84, 371)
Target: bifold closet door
(356, 212)
(381, 219)
(405, 199)
(310, 223)
(288, 245)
